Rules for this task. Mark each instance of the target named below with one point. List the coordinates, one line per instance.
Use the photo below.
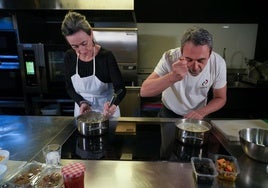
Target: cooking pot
(92, 123)
(192, 131)
(90, 147)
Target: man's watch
(81, 102)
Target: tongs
(114, 97)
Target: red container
(73, 175)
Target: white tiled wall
(155, 38)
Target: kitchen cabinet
(244, 103)
(206, 11)
(130, 105)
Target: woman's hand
(109, 111)
(84, 108)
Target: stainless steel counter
(24, 137)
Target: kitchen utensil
(114, 97)
(254, 143)
(92, 123)
(192, 131)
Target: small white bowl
(3, 169)
(5, 154)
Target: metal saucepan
(192, 131)
(92, 123)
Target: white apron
(93, 90)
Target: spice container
(73, 175)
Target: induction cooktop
(149, 142)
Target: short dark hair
(198, 36)
(74, 22)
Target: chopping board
(230, 128)
(128, 128)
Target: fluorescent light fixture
(226, 27)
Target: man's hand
(179, 70)
(196, 114)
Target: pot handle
(193, 137)
(95, 128)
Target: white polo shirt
(191, 92)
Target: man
(184, 76)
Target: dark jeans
(165, 112)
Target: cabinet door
(130, 105)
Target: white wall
(155, 38)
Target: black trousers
(165, 112)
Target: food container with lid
(3, 170)
(204, 170)
(4, 156)
(227, 167)
(27, 175)
(73, 175)
(50, 177)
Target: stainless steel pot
(92, 123)
(90, 147)
(192, 131)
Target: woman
(92, 73)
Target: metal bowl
(254, 143)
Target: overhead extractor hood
(68, 4)
(97, 12)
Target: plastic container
(50, 177)
(204, 170)
(3, 170)
(26, 176)
(73, 175)
(4, 156)
(227, 167)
